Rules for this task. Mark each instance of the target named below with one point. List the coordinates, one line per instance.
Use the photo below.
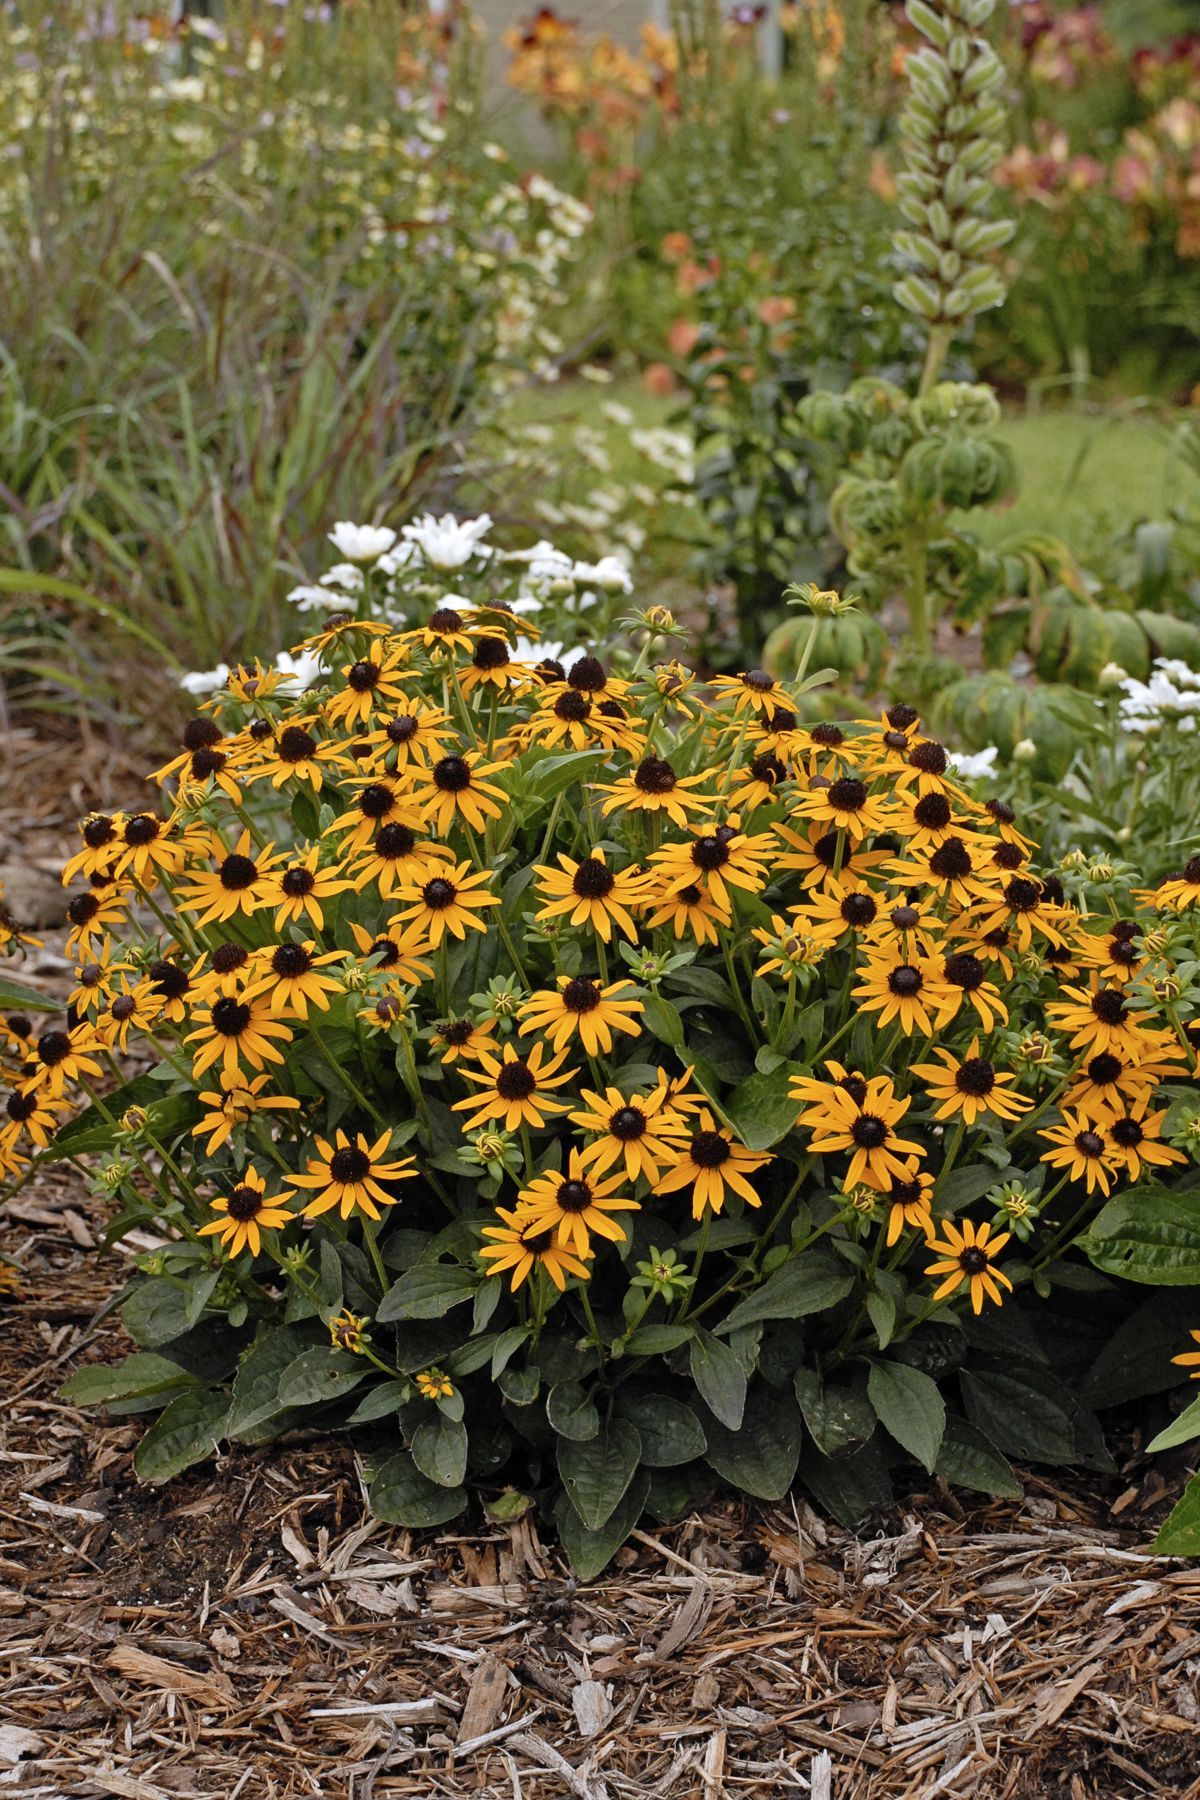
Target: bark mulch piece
(248, 1631)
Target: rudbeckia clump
(591, 1084)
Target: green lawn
(1083, 473)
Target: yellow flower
(235, 1101)
(237, 1029)
(1190, 1359)
(581, 1008)
(860, 1119)
(456, 788)
(434, 1384)
(349, 1175)
(448, 901)
(1083, 1148)
(525, 1242)
(966, 1259)
(710, 1161)
(514, 1088)
(576, 1204)
(972, 1086)
(244, 1213)
(592, 893)
(655, 787)
(633, 1130)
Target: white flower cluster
(399, 576)
(1171, 696)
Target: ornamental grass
(590, 1083)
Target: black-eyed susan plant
(590, 1083)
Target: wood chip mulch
(249, 1633)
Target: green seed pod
(929, 22)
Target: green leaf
(719, 1376)
(849, 1487)
(139, 1374)
(592, 1550)
(320, 1374)
(597, 1473)
(1180, 1534)
(185, 1432)
(401, 1495)
(663, 1019)
(670, 1431)
(657, 1340)
(1028, 1413)
(761, 1108)
(811, 1283)
(1180, 1431)
(970, 1460)
(378, 1402)
(881, 1310)
(519, 1385)
(439, 1449)
(910, 1408)
(760, 1457)
(255, 1403)
(427, 1292)
(839, 1417)
(156, 1312)
(1149, 1235)
(1135, 1359)
(572, 1412)
(18, 995)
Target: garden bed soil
(249, 1633)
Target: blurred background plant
(256, 276)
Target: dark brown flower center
(237, 873)
(100, 830)
(855, 1086)
(230, 1017)
(229, 957)
(83, 909)
(654, 776)
(445, 621)
(962, 970)
(1022, 894)
(141, 830)
(1089, 1143)
(295, 744)
(972, 1260)
(439, 894)
(364, 676)
(593, 880)
(574, 1196)
(452, 775)
(905, 1193)
(1108, 1004)
(848, 794)
(20, 1107)
(709, 853)
(581, 995)
(901, 716)
(376, 801)
(975, 1076)
(395, 841)
(349, 1164)
(53, 1047)
(869, 1131)
(456, 1032)
(244, 1204)
(1127, 1133)
(168, 979)
(933, 812)
(758, 681)
(1001, 811)
(1104, 1069)
(516, 1081)
(929, 757)
(291, 961)
(905, 981)
(402, 728)
(628, 1123)
(951, 861)
(710, 1150)
(208, 762)
(588, 675)
(123, 1007)
(859, 909)
(828, 736)
(572, 708)
(490, 653)
(297, 881)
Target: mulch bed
(248, 1631)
